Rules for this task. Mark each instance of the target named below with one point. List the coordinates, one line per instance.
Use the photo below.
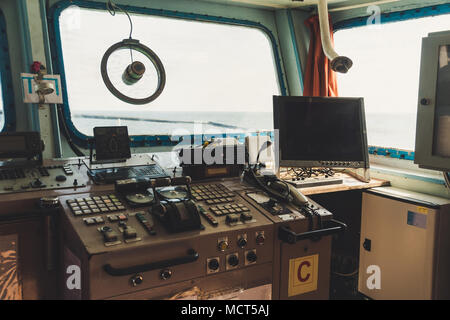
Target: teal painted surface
(301, 36)
(295, 49)
(27, 59)
(48, 58)
(392, 153)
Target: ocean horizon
(395, 130)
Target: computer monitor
(320, 132)
(112, 143)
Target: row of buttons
(339, 163)
(208, 216)
(117, 217)
(93, 221)
(67, 170)
(43, 171)
(211, 191)
(148, 225)
(233, 218)
(98, 220)
(90, 205)
(220, 200)
(229, 208)
(11, 174)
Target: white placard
(29, 88)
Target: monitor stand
(362, 174)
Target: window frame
(389, 17)
(81, 139)
(9, 113)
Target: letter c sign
(303, 275)
(299, 273)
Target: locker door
(398, 237)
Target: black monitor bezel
(277, 103)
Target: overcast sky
(386, 62)
(216, 67)
(209, 67)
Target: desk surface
(349, 183)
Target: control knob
(242, 242)
(260, 238)
(223, 245)
(137, 280)
(37, 183)
(165, 274)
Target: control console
(128, 247)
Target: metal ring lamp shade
(134, 45)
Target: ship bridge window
(219, 77)
(386, 73)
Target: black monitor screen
(112, 143)
(313, 129)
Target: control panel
(25, 145)
(33, 178)
(115, 232)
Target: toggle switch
(109, 235)
(129, 233)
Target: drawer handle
(332, 226)
(191, 256)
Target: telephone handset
(296, 197)
(276, 188)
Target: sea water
(396, 130)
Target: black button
(213, 264)
(232, 218)
(251, 256)
(61, 178)
(233, 260)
